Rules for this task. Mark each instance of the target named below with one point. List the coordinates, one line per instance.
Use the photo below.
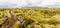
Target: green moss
(17, 25)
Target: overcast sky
(29, 3)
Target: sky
(29, 3)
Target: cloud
(8, 3)
(29, 3)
